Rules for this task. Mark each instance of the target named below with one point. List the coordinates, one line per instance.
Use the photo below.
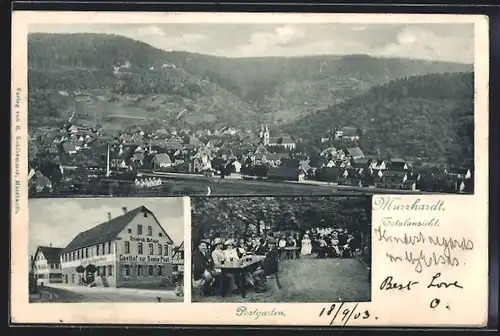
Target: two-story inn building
(47, 265)
(126, 251)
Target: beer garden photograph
(281, 249)
(250, 109)
(106, 250)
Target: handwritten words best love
(430, 259)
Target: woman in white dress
(230, 256)
(306, 246)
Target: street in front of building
(70, 294)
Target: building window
(159, 270)
(98, 250)
(139, 248)
(127, 247)
(103, 271)
(110, 247)
(103, 248)
(139, 229)
(86, 252)
(129, 230)
(150, 231)
(78, 255)
(160, 234)
(139, 270)
(126, 270)
(165, 250)
(151, 251)
(150, 270)
(160, 252)
(182, 255)
(110, 270)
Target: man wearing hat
(203, 266)
(269, 266)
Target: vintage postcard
(327, 169)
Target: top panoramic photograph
(223, 109)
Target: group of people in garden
(212, 250)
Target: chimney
(50, 244)
(109, 216)
(124, 210)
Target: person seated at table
(203, 268)
(240, 248)
(269, 266)
(335, 245)
(298, 245)
(282, 245)
(254, 240)
(249, 245)
(342, 237)
(354, 242)
(314, 244)
(218, 253)
(290, 243)
(282, 242)
(231, 256)
(322, 247)
(261, 247)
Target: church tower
(261, 133)
(265, 139)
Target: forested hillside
(283, 88)
(428, 116)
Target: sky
(438, 41)
(58, 221)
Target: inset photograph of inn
(106, 250)
(197, 109)
(281, 249)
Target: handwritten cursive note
(418, 245)
(425, 253)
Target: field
(311, 280)
(115, 115)
(202, 186)
(199, 185)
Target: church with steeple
(264, 135)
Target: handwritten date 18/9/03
(344, 313)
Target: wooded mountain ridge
(277, 88)
(429, 116)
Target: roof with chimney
(106, 231)
(162, 158)
(349, 131)
(355, 152)
(50, 253)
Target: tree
(237, 216)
